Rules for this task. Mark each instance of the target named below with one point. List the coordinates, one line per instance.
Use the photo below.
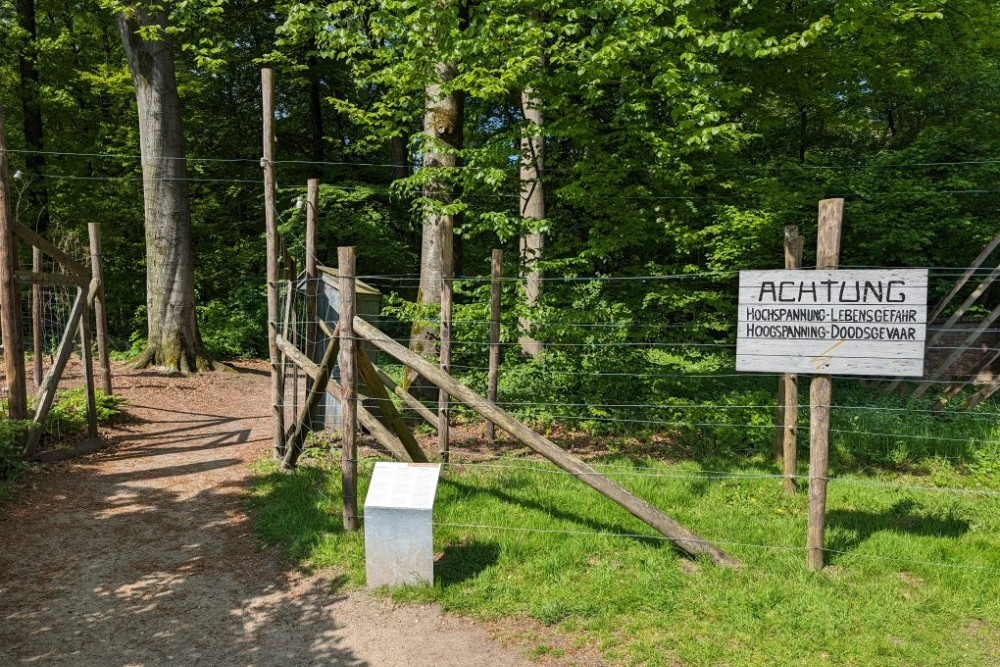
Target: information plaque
(399, 548)
(848, 322)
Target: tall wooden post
(786, 440)
(831, 215)
(10, 302)
(348, 387)
(100, 309)
(447, 298)
(270, 222)
(493, 378)
(312, 328)
(87, 359)
(37, 312)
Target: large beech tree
(173, 339)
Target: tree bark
(532, 210)
(444, 114)
(400, 157)
(174, 341)
(317, 146)
(31, 108)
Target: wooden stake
(685, 539)
(348, 387)
(408, 399)
(270, 222)
(317, 389)
(387, 408)
(100, 312)
(377, 429)
(37, 307)
(312, 331)
(447, 269)
(959, 350)
(786, 440)
(831, 215)
(87, 359)
(10, 302)
(47, 392)
(493, 377)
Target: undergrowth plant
(66, 419)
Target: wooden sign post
(831, 216)
(827, 322)
(787, 419)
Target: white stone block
(399, 540)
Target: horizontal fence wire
(473, 167)
(743, 416)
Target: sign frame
(833, 322)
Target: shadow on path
(142, 556)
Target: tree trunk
(400, 157)
(38, 195)
(174, 341)
(444, 115)
(532, 210)
(317, 147)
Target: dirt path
(141, 555)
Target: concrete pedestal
(399, 544)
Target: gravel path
(141, 555)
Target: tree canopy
(680, 136)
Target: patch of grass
(912, 577)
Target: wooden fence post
(100, 309)
(37, 308)
(831, 215)
(786, 435)
(10, 302)
(447, 303)
(493, 377)
(348, 387)
(270, 222)
(312, 328)
(87, 360)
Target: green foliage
(356, 215)
(13, 433)
(679, 137)
(229, 333)
(68, 414)
(66, 418)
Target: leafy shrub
(69, 412)
(12, 436)
(229, 333)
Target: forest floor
(142, 554)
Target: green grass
(914, 576)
